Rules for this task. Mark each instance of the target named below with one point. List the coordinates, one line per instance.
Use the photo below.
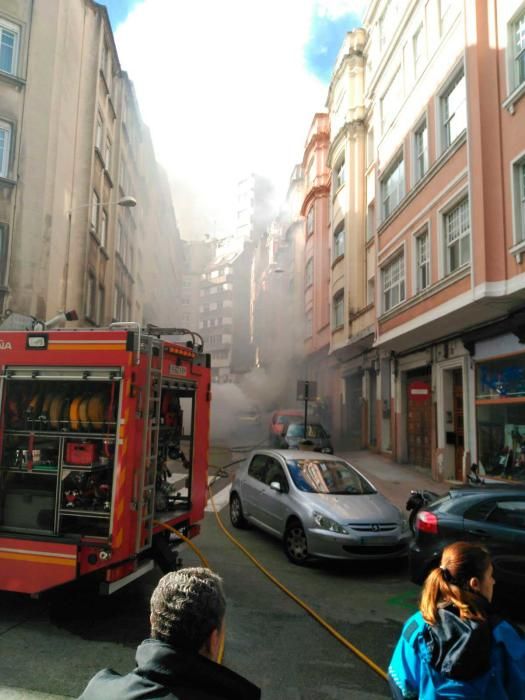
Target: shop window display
(500, 411)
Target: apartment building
(224, 310)
(444, 92)
(255, 208)
(197, 255)
(75, 159)
(351, 252)
(318, 255)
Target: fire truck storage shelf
(94, 451)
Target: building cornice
(315, 193)
(317, 139)
(348, 129)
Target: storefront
(500, 407)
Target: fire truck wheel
(236, 515)
(295, 544)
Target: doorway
(419, 417)
(459, 446)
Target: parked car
(280, 419)
(293, 436)
(492, 514)
(318, 505)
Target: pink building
(317, 250)
(445, 87)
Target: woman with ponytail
(455, 646)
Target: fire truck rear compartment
(59, 466)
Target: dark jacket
(458, 658)
(164, 672)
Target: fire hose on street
(329, 628)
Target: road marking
(220, 499)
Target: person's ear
(474, 584)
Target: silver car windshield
(327, 476)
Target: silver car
(319, 505)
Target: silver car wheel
(295, 544)
(236, 515)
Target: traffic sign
(419, 391)
(306, 391)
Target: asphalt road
(55, 644)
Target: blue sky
(326, 35)
(119, 10)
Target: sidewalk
(392, 479)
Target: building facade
(224, 310)
(75, 159)
(444, 91)
(319, 253)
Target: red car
(282, 418)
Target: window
(101, 305)
(310, 221)
(370, 290)
(454, 110)
(394, 283)
(5, 147)
(518, 44)
(422, 261)
(9, 34)
(370, 156)
(509, 513)
(309, 273)
(339, 174)
(103, 228)
(308, 324)
(391, 100)
(446, 14)
(4, 240)
(457, 236)
(519, 188)
(339, 240)
(107, 153)
(420, 151)
(393, 188)
(370, 222)
(98, 134)
(310, 175)
(258, 468)
(418, 48)
(95, 204)
(90, 296)
(338, 310)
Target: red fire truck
(103, 441)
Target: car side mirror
(276, 486)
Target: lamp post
(125, 201)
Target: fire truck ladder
(154, 349)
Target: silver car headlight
(404, 525)
(326, 523)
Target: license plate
(379, 539)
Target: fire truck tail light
(427, 522)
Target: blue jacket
(458, 659)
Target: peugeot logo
(375, 528)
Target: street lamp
(126, 201)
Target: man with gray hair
(179, 660)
